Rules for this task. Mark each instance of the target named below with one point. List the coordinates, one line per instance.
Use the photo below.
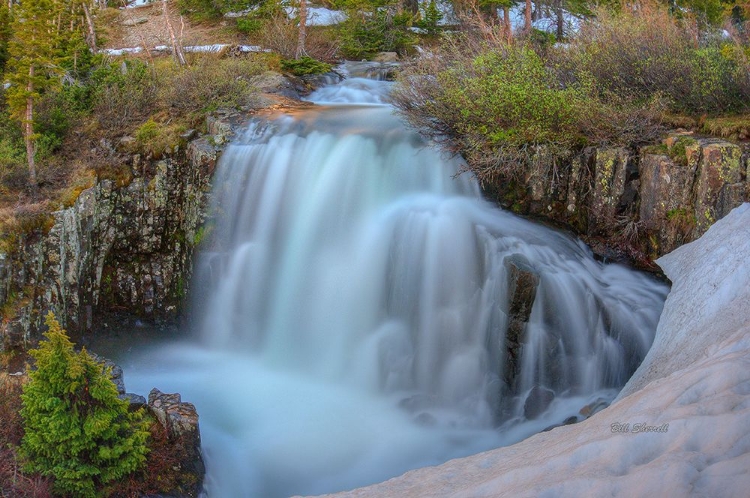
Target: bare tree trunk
(560, 20)
(302, 29)
(506, 23)
(28, 132)
(176, 48)
(91, 39)
(527, 17)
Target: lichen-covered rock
(634, 205)
(610, 176)
(719, 165)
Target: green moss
(657, 150)
(679, 150)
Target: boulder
(522, 285)
(180, 420)
(135, 401)
(537, 402)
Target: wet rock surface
(523, 282)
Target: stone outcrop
(637, 204)
(523, 281)
(181, 422)
(118, 247)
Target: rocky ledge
(636, 205)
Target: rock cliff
(117, 247)
(637, 204)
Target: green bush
(429, 18)
(124, 93)
(494, 105)
(210, 84)
(648, 54)
(368, 30)
(305, 66)
(508, 113)
(76, 428)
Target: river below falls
(350, 308)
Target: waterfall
(355, 295)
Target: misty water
(351, 302)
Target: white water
(354, 298)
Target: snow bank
(215, 49)
(678, 428)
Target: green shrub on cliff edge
(507, 113)
(76, 428)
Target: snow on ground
(678, 428)
(215, 49)
(319, 16)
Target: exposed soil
(137, 26)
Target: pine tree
(33, 66)
(76, 428)
(5, 33)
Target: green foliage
(708, 12)
(508, 113)
(370, 28)
(5, 35)
(76, 428)
(305, 66)
(123, 93)
(430, 17)
(648, 55)
(34, 54)
(254, 21)
(11, 144)
(210, 84)
(511, 97)
(147, 131)
(157, 139)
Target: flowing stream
(353, 296)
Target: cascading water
(355, 299)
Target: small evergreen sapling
(76, 428)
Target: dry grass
(159, 475)
(13, 482)
(731, 127)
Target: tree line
(46, 45)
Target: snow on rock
(678, 428)
(121, 51)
